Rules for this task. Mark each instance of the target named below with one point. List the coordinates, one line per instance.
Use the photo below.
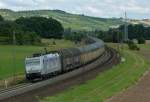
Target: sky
(136, 9)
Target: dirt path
(139, 92)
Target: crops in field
(107, 83)
(7, 68)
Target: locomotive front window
(33, 62)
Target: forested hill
(76, 22)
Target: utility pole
(126, 28)
(14, 55)
(118, 40)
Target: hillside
(76, 22)
(145, 22)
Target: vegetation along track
(108, 57)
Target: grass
(144, 46)
(6, 52)
(107, 83)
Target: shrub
(141, 41)
(132, 46)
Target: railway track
(13, 87)
(106, 58)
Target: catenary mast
(126, 28)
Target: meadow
(9, 66)
(108, 83)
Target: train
(43, 66)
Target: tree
(147, 33)
(8, 28)
(27, 38)
(67, 34)
(1, 18)
(44, 27)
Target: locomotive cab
(33, 67)
(42, 67)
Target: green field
(6, 52)
(107, 83)
(147, 46)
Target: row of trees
(29, 30)
(138, 32)
(73, 35)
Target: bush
(22, 38)
(4, 40)
(27, 38)
(132, 46)
(141, 41)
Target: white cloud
(101, 8)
